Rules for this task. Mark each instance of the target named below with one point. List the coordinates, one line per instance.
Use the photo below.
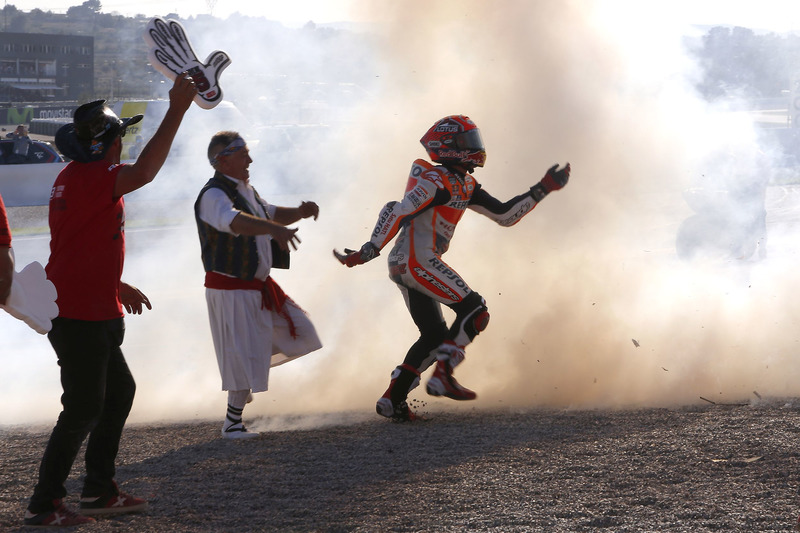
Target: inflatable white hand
(33, 298)
(171, 54)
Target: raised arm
(155, 152)
(510, 212)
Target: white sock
(237, 399)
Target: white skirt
(249, 340)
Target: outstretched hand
(351, 258)
(555, 179)
(132, 298)
(309, 209)
(285, 237)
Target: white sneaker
(238, 431)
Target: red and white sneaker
(112, 504)
(63, 516)
(442, 383)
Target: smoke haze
(590, 305)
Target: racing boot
(442, 383)
(401, 413)
(393, 402)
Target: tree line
(735, 62)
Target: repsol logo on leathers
(382, 226)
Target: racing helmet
(455, 139)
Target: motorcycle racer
(424, 221)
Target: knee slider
(481, 320)
(472, 317)
(477, 321)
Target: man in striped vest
(254, 324)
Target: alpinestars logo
(425, 275)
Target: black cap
(94, 128)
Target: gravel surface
(701, 468)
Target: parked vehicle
(39, 152)
(28, 182)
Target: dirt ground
(700, 468)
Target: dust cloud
(590, 305)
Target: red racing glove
(553, 180)
(351, 258)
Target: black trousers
(427, 315)
(98, 395)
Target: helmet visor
(470, 140)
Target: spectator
(87, 249)
(22, 144)
(254, 325)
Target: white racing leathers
(424, 223)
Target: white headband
(236, 145)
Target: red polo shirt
(87, 241)
(5, 230)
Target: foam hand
(171, 54)
(33, 298)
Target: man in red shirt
(87, 249)
(6, 257)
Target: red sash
(272, 296)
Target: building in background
(36, 67)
